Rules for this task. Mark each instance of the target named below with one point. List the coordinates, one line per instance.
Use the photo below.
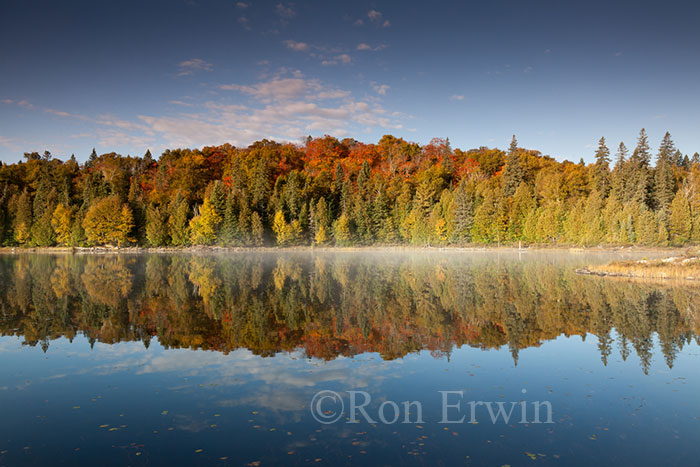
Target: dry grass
(686, 267)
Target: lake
(340, 358)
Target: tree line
(343, 192)
(334, 304)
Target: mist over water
(215, 358)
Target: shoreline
(369, 248)
(683, 267)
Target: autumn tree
(108, 221)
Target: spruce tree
(619, 173)
(638, 188)
(513, 173)
(463, 214)
(663, 174)
(601, 169)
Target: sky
(127, 76)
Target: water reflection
(332, 304)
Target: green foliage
(351, 193)
(156, 226)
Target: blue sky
(126, 76)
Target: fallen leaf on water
(76, 407)
(164, 412)
(104, 426)
(113, 429)
(198, 450)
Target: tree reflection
(333, 304)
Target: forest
(330, 304)
(343, 192)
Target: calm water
(206, 359)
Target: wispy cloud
(374, 15)
(20, 103)
(242, 5)
(377, 17)
(364, 46)
(380, 89)
(281, 108)
(285, 11)
(344, 59)
(457, 97)
(189, 67)
(296, 46)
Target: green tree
(664, 184)
(601, 169)
(513, 172)
(156, 226)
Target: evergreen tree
(178, 224)
(663, 175)
(257, 229)
(601, 169)
(618, 182)
(513, 172)
(156, 226)
(638, 188)
(462, 213)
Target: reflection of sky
(156, 389)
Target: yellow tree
(108, 222)
(61, 222)
(203, 226)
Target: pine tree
(513, 173)
(638, 188)
(178, 224)
(260, 189)
(663, 175)
(601, 169)
(257, 229)
(462, 213)
(156, 226)
(619, 173)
